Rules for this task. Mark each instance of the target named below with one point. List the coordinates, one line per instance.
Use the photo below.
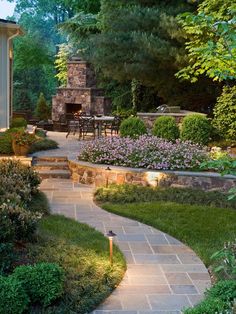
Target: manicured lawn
(83, 253)
(203, 228)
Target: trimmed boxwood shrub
(225, 113)
(166, 127)
(43, 282)
(132, 127)
(18, 123)
(196, 128)
(13, 298)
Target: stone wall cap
(142, 170)
(176, 114)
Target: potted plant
(21, 142)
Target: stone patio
(67, 146)
(163, 275)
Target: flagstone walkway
(163, 275)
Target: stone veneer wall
(97, 175)
(81, 90)
(80, 75)
(149, 118)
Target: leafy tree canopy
(211, 41)
(34, 69)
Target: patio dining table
(99, 121)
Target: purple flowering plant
(146, 151)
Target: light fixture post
(107, 176)
(111, 235)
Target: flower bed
(145, 152)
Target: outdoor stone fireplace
(80, 93)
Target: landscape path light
(107, 180)
(111, 235)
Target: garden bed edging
(102, 175)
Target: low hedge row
(195, 128)
(129, 193)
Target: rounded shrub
(225, 113)
(166, 127)
(18, 123)
(196, 128)
(13, 298)
(43, 282)
(132, 127)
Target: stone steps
(45, 165)
(51, 159)
(52, 167)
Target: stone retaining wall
(102, 175)
(24, 160)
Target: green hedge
(42, 282)
(132, 127)
(166, 127)
(128, 193)
(196, 128)
(13, 298)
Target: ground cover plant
(83, 253)
(199, 226)
(146, 151)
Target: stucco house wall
(8, 30)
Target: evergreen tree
(138, 41)
(42, 109)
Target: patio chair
(113, 126)
(63, 123)
(87, 126)
(74, 126)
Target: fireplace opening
(73, 108)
